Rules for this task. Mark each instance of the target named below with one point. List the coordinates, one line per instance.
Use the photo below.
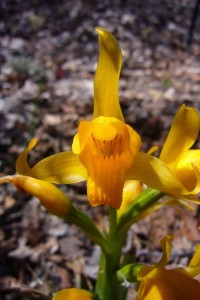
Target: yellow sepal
(64, 167)
(106, 82)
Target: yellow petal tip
(32, 144)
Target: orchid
(176, 171)
(103, 149)
(157, 282)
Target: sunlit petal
(64, 167)
(106, 99)
(154, 173)
(182, 135)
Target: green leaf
(129, 272)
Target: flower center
(108, 148)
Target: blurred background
(48, 57)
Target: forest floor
(48, 56)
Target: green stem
(113, 238)
(78, 218)
(140, 204)
(117, 291)
(108, 286)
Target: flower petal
(64, 167)
(166, 247)
(162, 284)
(106, 99)
(132, 188)
(154, 173)
(22, 166)
(182, 135)
(73, 294)
(166, 244)
(187, 170)
(193, 268)
(195, 261)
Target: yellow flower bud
(54, 200)
(73, 294)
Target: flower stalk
(108, 285)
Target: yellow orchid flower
(177, 170)
(157, 282)
(105, 151)
(73, 294)
(104, 148)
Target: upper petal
(182, 135)
(106, 99)
(64, 167)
